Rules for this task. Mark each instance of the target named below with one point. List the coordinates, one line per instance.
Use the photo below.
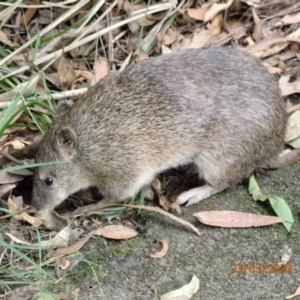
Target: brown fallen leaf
(116, 232)
(216, 25)
(134, 25)
(5, 189)
(65, 72)
(288, 88)
(195, 13)
(235, 219)
(100, 69)
(215, 9)
(200, 39)
(288, 19)
(15, 205)
(111, 231)
(16, 144)
(163, 251)
(293, 126)
(267, 47)
(5, 40)
(6, 178)
(253, 3)
(259, 24)
(27, 16)
(274, 70)
(163, 200)
(61, 252)
(142, 56)
(168, 37)
(87, 75)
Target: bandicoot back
(217, 108)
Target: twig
(10, 157)
(149, 208)
(293, 108)
(26, 152)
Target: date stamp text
(258, 268)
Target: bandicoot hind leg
(198, 194)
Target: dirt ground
(126, 272)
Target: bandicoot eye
(49, 180)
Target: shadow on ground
(126, 272)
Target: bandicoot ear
(62, 107)
(67, 142)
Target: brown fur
(218, 108)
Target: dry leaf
(120, 5)
(58, 253)
(100, 69)
(27, 16)
(289, 19)
(274, 70)
(286, 255)
(184, 293)
(15, 205)
(215, 9)
(297, 293)
(144, 21)
(6, 178)
(134, 25)
(16, 144)
(165, 50)
(293, 126)
(200, 39)
(253, 3)
(142, 56)
(86, 75)
(53, 78)
(288, 88)
(216, 25)
(111, 231)
(235, 219)
(195, 13)
(116, 232)
(6, 188)
(259, 24)
(163, 251)
(168, 37)
(271, 46)
(163, 201)
(4, 39)
(65, 72)
(51, 219)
